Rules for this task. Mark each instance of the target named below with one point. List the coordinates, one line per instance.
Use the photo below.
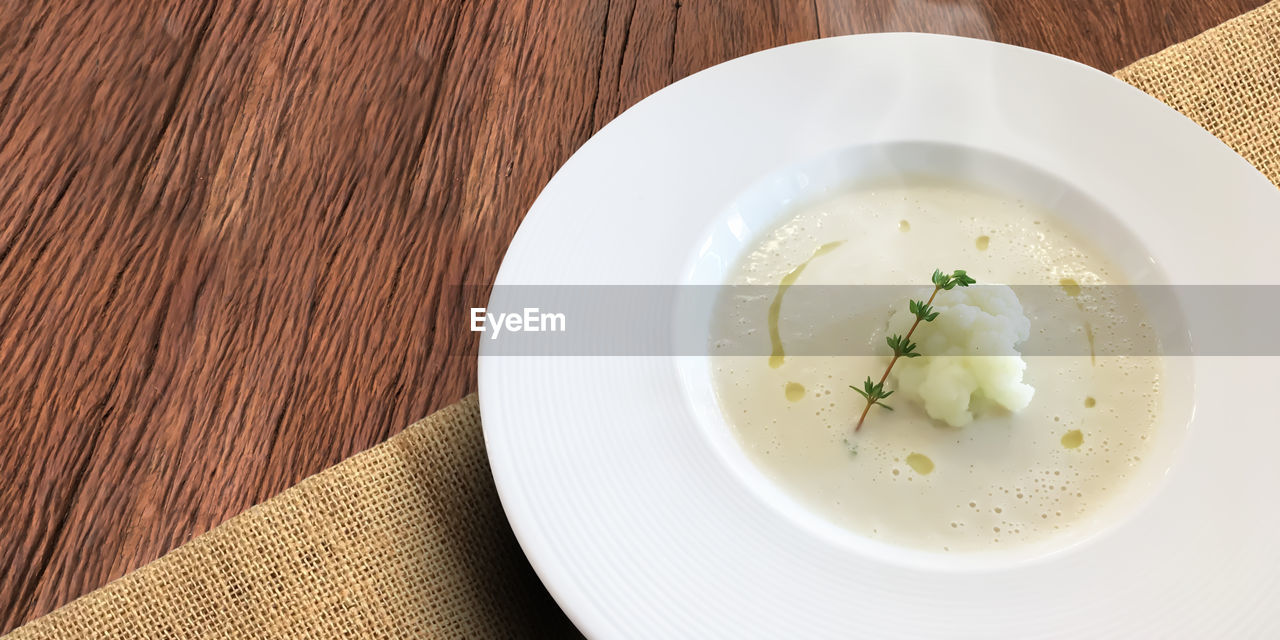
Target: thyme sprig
(874, 392)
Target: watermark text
(530, 320)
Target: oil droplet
(1070, 286)
(1089, 402)
(777, 354)
(1073, 439)
(904, 226)
(982, 242)
(794, 391)
(920, 463)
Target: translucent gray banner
(850, 320)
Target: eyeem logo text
(530, 320)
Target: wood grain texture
(229, 232)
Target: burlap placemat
(405, 540)
(408, 540)
(1228, 80)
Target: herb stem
(903, 347)
(862, 418)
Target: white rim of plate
(628, 515)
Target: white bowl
(616, 472)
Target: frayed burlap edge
(1227, 79)
(406, 540)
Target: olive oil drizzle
(778, 354)
(1072, 289)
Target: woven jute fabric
(408, 540)
(1228, 80)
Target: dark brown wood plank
(708, 33)
(318, 173)
(88, 93)
(254, 208)
(230, 233)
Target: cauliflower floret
(970, 357)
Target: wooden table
(229, 232)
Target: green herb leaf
(872, 391)
(895, 343)
(903, 347)
(922, 310)
(961, 278)
(939, 278)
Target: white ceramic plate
(615, 472)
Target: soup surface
(1004, 478)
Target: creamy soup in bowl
(1057, 426)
